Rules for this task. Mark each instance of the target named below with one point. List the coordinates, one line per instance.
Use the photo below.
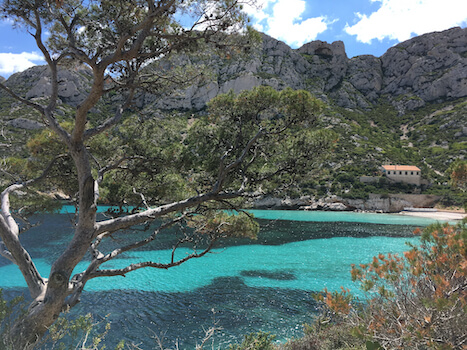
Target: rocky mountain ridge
(425, 69)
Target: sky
(365, 26)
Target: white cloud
(6, 22)
(402, 19)
(16, 62)
(282, 19)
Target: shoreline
(437, 215)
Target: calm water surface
(244, 287)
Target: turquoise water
(309, 265)
(315, 216)
(245, 286)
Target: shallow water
(247, 286)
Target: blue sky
(365, 26)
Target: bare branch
(79, 280)
(151, 214)
(9, 233)
(53, 68)
(208, 334)
(5, 212)
(137, 266)
(6, 253)
(4, 197)
(224, 171)
(20, 256)
(138, 244)
(143, 199)
(36, 106)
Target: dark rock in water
(180, 319)
(273, 275)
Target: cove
(246, 286)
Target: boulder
(26, 124)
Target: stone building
(403, 173)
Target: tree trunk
(29, 329)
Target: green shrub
(325, 335)
(255, 341)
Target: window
(411, 173)
(406, 173)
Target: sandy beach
(437, 215)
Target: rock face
(428, 68)
(27, 124)
(432, 67)
(392, 203)
(35, 82)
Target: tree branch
(9, 233)
(79, 280)
(50, 62)
(17, 254)
(111, 121)
(151, 214)
(225, 170)
(137, 266)
(6, 253)
(144, 28)
(36, 106)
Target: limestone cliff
(428, 68)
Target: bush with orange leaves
(415, 301)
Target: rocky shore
(404, 204)
(389, 203)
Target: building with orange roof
(403, 173)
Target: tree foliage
(458, 174)
(175, 172)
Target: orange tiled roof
(401, 167)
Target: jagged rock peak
(74, 82)
(323, 49)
